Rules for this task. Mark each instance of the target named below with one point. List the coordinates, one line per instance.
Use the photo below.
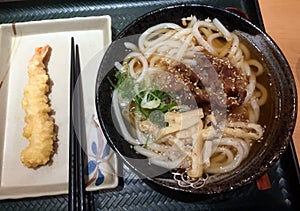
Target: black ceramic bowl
(279, 113)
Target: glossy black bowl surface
(279, 115)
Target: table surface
(281, 20)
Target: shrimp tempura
(40, 125)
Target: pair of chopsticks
(77, 193)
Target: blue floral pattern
(100, 154)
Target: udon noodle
(192, 96)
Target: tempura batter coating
(40, 125)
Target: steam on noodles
(191, 94)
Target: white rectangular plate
(18, 42)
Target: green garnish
(150, 101)
(147, 141)
(144, 98)
(156, 100)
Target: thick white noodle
(191, 51)
(213, 36)
(238, 158)
(246, 148)
(205, 31)
(120, 67)
(246, 68)
(223, 153)
(257, 65)
(207, 152)
(200, 38)
(222, 29)
(180, 35)
(264, 94)
(183, 48)
(134, 57)
(251, 114)
(161, 48)
(121, 122)
(190, 62)
(244, 130)
(250, 88)
(237, 59)
(154, 61)
(160, 161)
(140, 135)
(224, 50)
(142, 39)
(146, 152)
(246, 52)
(255, 107)
(234, 47)
(131, 46)
(157, 147)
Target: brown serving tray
(133, 193)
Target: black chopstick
(77, 193)
(78, 112)
(72, 136)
